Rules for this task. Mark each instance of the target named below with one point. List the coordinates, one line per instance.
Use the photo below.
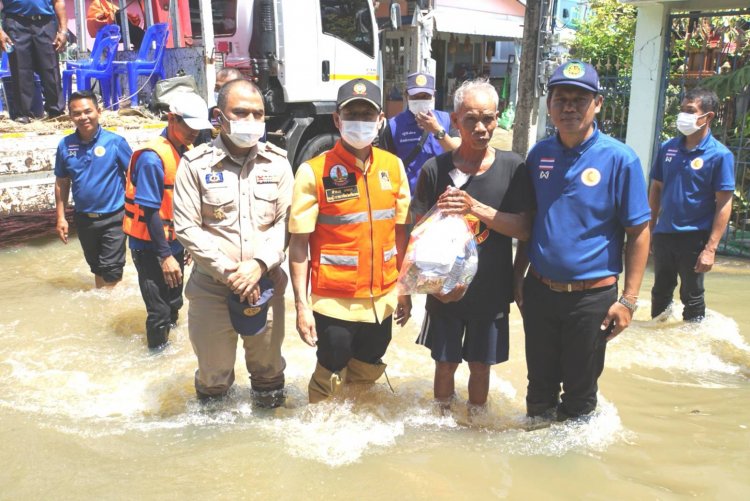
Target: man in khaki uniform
(232, 201)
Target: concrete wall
(27, 162)
(646, 80)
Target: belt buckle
(569, 287)
(92, 215)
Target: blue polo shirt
(586, 196)
(148, 177)
(406, 134)
(690, 180)
(96, 170)
(28, 7)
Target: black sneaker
(23, 120)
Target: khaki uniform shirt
(228, 210)
(304, 218)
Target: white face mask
(686, 123)
(245, 133)
(359, 135)
(421, 105)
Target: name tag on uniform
(340, 185)
(266, 178)
(214, 178)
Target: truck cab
(299, 53)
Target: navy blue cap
(417, 83)
(359, 89)
(250, 319)
(575, 73)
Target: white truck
(299, 52)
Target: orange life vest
(134, 223)
(353, 247)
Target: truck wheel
(316, 146)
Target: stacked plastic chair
(149, 62)
(99, 66)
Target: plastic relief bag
(441, 255)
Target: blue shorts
(477, 338)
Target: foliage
(607, 34)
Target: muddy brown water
(88, 413)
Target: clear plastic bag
(441, 255)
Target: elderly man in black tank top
(492, 192)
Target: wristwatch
(439, 135)
(632, 306)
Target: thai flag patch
(546, 163)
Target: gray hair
(471, 86)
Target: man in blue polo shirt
(94, 161)
(590, 194)
(158, 256)
(420, 132)
(692, 182)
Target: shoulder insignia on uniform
(198, 151)
(272, 148)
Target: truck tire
(315, 146)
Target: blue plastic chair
(98, 66)
(4, 73)
(149, 62)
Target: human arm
(520, 266)
(721, 218)
(62, 22)
(636, 256)
(457, 201)
(5, 40)
(403, 309)
(62, 192)
(429, 123)
(654, 201)
(299, 269)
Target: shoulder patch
(198, 152)
(272, 148)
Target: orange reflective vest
(134, 223)
(353, 247)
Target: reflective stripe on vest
(353, 247)
(134, 222)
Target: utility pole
(528, 95)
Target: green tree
(605, 38)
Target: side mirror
(395, 14)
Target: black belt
(98, 215)
(33, 17)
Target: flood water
(87, 412)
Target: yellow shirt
(303, 219)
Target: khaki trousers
(215, 341)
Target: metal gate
(712, 49)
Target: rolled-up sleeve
(404, 198)
(188, 223)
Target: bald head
(235, 87)
(226, 75)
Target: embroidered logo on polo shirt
(591, 177)
(99, 151)
(671, 153)
(696, 164)
(545, 166)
